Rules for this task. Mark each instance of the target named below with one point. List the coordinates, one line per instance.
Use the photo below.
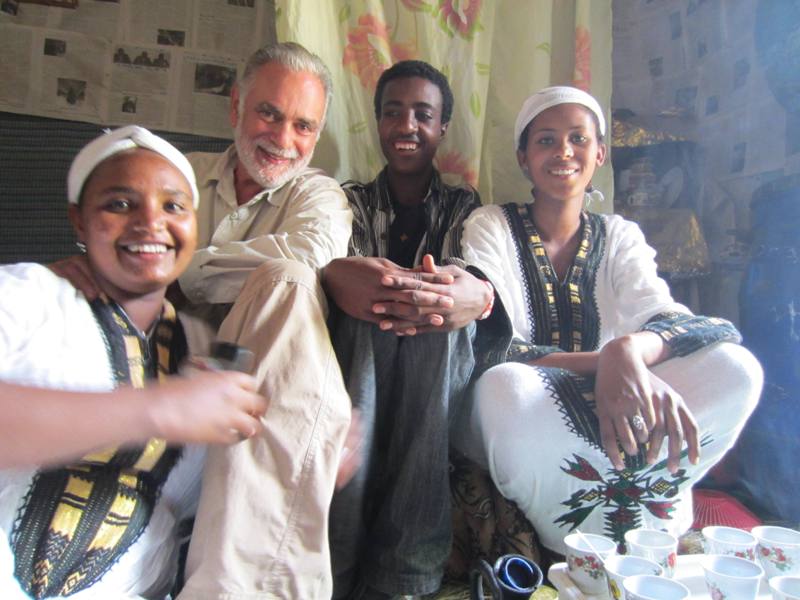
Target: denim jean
(391, 525)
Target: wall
(692, 68)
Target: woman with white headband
(79, 377)
(614, 398)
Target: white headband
(553, 96)
(120, 140)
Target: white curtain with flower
(495, 54)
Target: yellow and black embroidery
(77, 521)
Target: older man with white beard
(266, 224)
(259, 199)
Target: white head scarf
(120, 140)
(553, 96)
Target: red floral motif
(777, 557)
(454, 163)
(622, 495)
(582, 469)
(716, 593)
(582, 77)
(590, 565)
(672, 559)
(594, 563)
(459, 16)
(369, 51)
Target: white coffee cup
(583, 565)
(619, 568)
(778, 549)
(653, 587)
(731, 577)
(659, 546)
(785, 587)
(730, 541)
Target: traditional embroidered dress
(106, 525)
(536, 429)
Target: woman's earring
(81, 246)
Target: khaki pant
(262, 524)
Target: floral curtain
(495, 54)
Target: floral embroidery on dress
(625, 492)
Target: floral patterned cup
(653, 587)
(731, 577)
(730, 541)
(619, 568)
(785, 587)
(655, 545)
(778, 550)
(583, 564)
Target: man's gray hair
(291, 55)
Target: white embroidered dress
(50, 338)
(535, 428)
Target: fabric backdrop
(495, 54)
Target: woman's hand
(675, 421)
(634, 406)
(214, 407)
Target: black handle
(232, 357)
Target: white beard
(269, 177)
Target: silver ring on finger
(637, 422)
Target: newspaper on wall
(164, 65)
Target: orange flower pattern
(454, 163)
(369, 51)
(582, 77)
(459, 16)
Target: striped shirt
(446, 208)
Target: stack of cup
(586, 553)
(619, 567)
(659, 546)
(734, 566)
(778, 550)
(729, 541)
(731, 577)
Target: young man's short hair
(416, 68)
